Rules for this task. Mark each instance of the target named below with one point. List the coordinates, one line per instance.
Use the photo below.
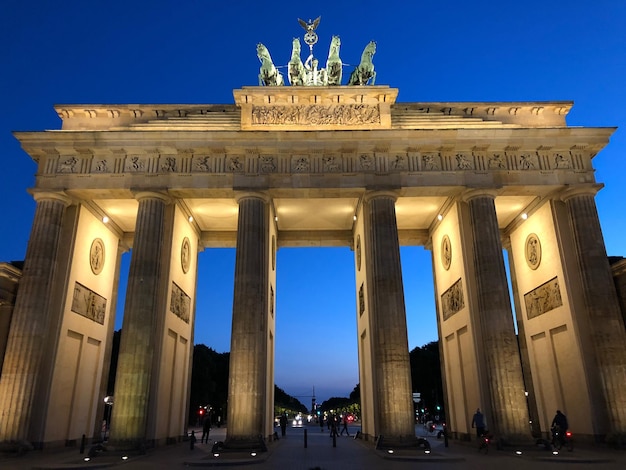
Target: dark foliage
(285, 402)
(355, 394)
(336, 403)
(209, 381)
(426, 374)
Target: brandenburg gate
(327, 165)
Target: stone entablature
(381, 142)
(304, 108)
(419, 158)
(10, 276)
(95, 161)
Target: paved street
(349, 454)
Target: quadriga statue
(333, 64)
(364, 72)
(296, 67)
(268, 73)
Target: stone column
(606, 328)
(248, 351)
(531, 398)
(139, 329)
(31, 323)
(390, 349)
(501, 364)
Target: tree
(209, 381)
(426, 374)
(285, 403)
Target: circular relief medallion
(96, 256)
(273, 252)
(358, 252)
(533, 251)
(446, 252)
(185, 255)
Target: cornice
(345, 101)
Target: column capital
(140, 195)
(470, 194)
(375, 194)
(580, 190)
(239, 195)
(52, 195)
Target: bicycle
(562, 439)
(483, 445)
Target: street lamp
(108, 407)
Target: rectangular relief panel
(89, 304)
(543, 298)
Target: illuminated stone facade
(323, 166)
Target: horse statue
(364, 72)
(333, 64)
(295, 67)
(268, 73)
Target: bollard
(305, 439)
(82, 444)
(334, 440)
(192, 440)
(445, 437)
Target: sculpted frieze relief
(234, 164)
(101, 165)
(497, 162)
(526, 161)
(168, 165)
(180, 303)
(543, 298)
(366, 162)
(562, 161)
(331, 163)
(431, 161)
(340, 114)
(452, 300)
(301, 164)
(135, 164)
(267, 164)
(68, 165)
(463, 162)
(88, 303)
(318, 161)
(399, 163)
(201, 163)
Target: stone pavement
(348, 454)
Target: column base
(19, 447)
(400, 442)
(129, 445)
(244, 444)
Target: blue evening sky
(184, 51)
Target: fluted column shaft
(606, 327)
(509, 413)
(31, 321)
(248, 351)
(388, 321)
(134, 369)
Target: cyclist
(559, 427)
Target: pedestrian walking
(478, 421)
(206, 429)
(345, 426)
